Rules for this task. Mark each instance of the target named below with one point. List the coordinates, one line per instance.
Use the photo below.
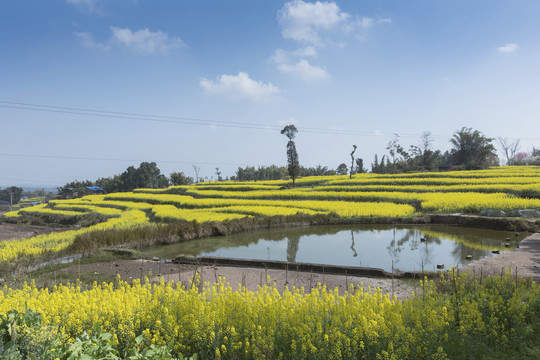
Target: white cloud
(365, 22)
(302, 21)
(280, 56)
(301, 68)
(142, 41)
(145, 41)
(87, 39)
(315, 25)
(306, 51)
(309, 22)
(508, 48)
(239, 86)
(304, 70)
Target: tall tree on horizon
(293, 164)
(352, 161)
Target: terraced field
(363, 195)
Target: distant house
(93, 190)
(73, 192)
(68, 193)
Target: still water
(410, 247)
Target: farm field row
(406, 195)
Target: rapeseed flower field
(463, 318)
(453, 318)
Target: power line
(63, 157)
(189, 120)
(203, 122)
(142, 118)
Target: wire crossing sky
(90, 87)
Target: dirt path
(525, 260)
(251, 278)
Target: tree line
(147, 175)
(273, 172)
(471, 150)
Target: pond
(410, 247)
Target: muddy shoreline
(524, 260)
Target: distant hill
(32, 187)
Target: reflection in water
(462, 252)
(408, 241)
(352, 244)
(369, 245)
(292, 248)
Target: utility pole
(10, 201)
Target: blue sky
(211, 83)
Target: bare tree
(425, 141)
(197, 168)
(508, 147)
(392, 147)
(423, 152)
(395, 150)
